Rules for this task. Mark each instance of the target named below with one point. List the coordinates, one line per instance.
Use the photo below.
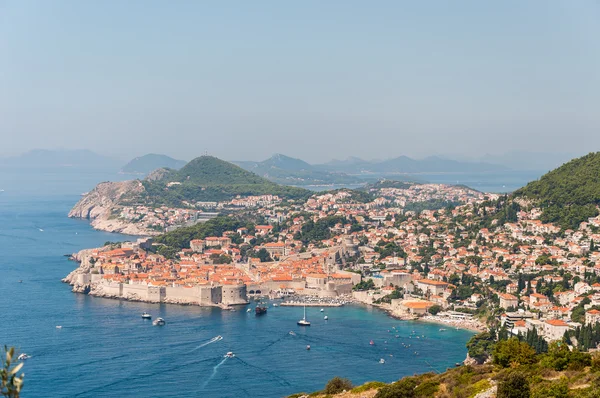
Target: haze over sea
(105, 349)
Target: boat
(382, 360)
(23, 357)
(303, 321)
(275, 305)
(145, 315)
(249, 310)
(229, 355)
(308, 347)
(326, 317)
(371, 342)
(442, 330)
(159, 322)
(58, 327)
(20, 280)
(260, 309)
(292, 333)
(322, 310)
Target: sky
(313, 79)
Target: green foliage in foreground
(569, 194)
(518, 372)
(10, 381)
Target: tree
(480, 346)
(513, 352)
(434, 309)
(515, 385)
(264, 255)
(10, 382)
(338, 385)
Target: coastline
(473, 325)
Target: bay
(105, 349)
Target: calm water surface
(105, 349)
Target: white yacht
(229, 355)
(23, 357)
(145, 315)
(326, 317)
(159, 322)
(303, 321)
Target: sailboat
(303, 321)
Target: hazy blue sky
(312, 79)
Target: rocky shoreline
(99, 205)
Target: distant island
(150, 162)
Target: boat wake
(213, 340)
(214, 372)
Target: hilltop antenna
(205, 152)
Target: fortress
(203, 295)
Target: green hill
(207, 178)
(569, 194)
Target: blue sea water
(105, 349)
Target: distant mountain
(65, 158)
(291, 171)
(147, 163)
(404, 164)
(569, 194)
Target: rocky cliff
(102, 203)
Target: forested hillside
(569, 194)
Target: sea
(104, 348)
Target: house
(554, 329)
(592, 317)
(508, 300)
(431, 286)
(197, 245)
(413, 307)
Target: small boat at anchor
(371, 342)
(145, 315)
(308, 347)
(23, 357)
(159, 322)
(326, 317)
(382, 360)
(303, 321)
(229, 355)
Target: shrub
(337, 385)
(404, 388)
(515, 385)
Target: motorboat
(249, 310)
(275, 305)
(58, 327)
(371, 342)
(159, 322)
(382, 360)
(303, 321)
(326, 317)
(145, 315)
(260, 309)
(442, 330)
(23, 357)
(292, 333)
(308, 347)
(322, 310)
(229, 355)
